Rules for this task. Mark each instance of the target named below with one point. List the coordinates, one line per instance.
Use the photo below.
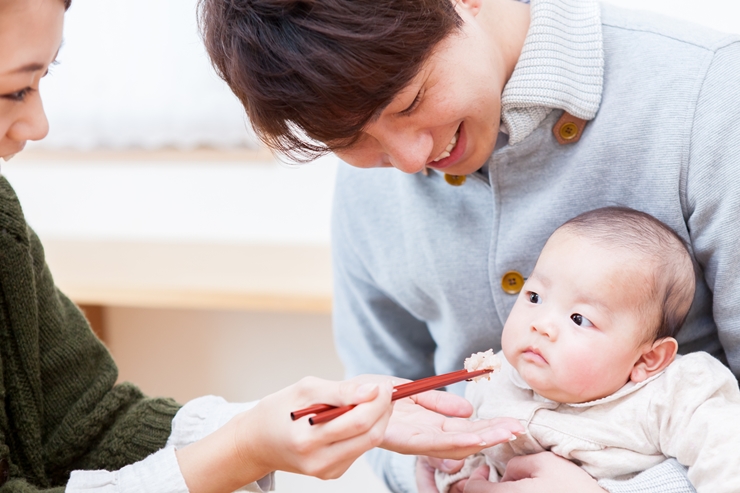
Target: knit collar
(561, 66)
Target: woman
(507, 120)
(65, 425)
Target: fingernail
(483, 444)
(512, 438)
(365, 389)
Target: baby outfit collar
(561, 67)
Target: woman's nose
(31, 123)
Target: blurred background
(201, 261)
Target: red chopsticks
(326, 412)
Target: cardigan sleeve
(711, 199)
(374, 333)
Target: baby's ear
(654, 359)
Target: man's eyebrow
(379, 112)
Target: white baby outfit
(690, 411)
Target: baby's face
(579, 324)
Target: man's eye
(534, 298)
(580, 320)
(18, 95)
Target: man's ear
(654, 359)
(472, 6)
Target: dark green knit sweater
(61, 408)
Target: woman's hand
(433, 424)
(420, 425)
(326, 450)
(265, 439)
(533, 474)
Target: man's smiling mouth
(449, 148)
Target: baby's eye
(579, 319)
(534, 298)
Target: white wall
(135, 74)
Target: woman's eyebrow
(31, 67)
(34, 66)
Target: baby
(590, 360)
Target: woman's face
(30, 37)
(448, 117)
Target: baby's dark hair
(673, 279)
(312, 74)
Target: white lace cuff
(201, 417)
(160, 472)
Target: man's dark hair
(67, 4)
(312, 73)
(674, 278)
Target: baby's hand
(269, 437)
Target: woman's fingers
(510, 426)
(444, 403)
(424, 432)
(331, 460)
(360, 420)
(311, 390)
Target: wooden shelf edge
(200, 300)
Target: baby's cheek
(581, 375)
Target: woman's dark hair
(312, 73)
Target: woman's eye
(18, 95)
(580, 320)
(534, 298)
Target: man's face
(580, 322)
(448, 117)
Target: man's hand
(534, 474)
(425, 468)
(434, 424)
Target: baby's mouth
(448, 150)
(534, 353)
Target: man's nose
(408, 151)
(31, 123)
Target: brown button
(568, 129)
(4, 471)
(512, 282)
(455, 180)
